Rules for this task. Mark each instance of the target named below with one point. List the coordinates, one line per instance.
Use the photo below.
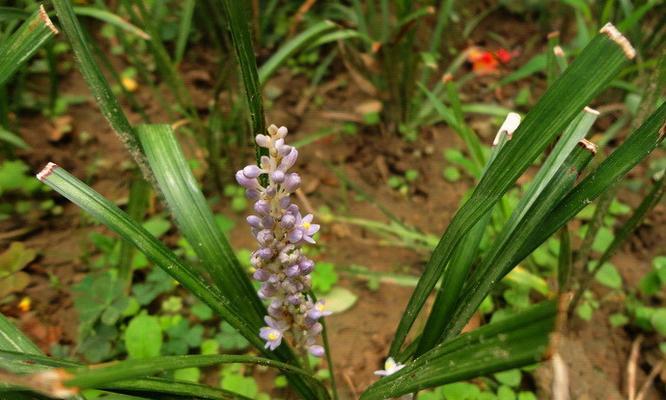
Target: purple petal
(252, 171)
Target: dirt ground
(596, 353)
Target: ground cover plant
(446, 212)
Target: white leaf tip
(47, 21)
(46, 171)
(615, 35)
(509, 126)
(591, 111)
(591, 147)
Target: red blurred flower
(483, 61)
(503, 55)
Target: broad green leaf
(339, 299)
(659, 321)
(608, 276)
(510, 378)
(15, 258)
(324, 277)
(143, 337)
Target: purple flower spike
(280, 231)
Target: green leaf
(510, 378)
(95, 296)
(196, 220)
(24, 43)
(12, 339)
(96, 376)
(15, 258)
(534, 65)
(608, 276)
(451, 174)
(237, 383)
(324, 277)
(650, 284)
(591, 71)
(659, 266)
(635, 148)
(157, 226)
(13, 177)
(658, 321)
(13, 139)
(460, 391)
(339, 300)
(241, 38)
(515, 342)
(289, 48)
(97, 83)
(585, 311)
(617, 320)
(187, 374)
(111, 19)
(229, 339)
(603, 239)
(143, 337)
(505, 393)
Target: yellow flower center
(306, 225)
(273, 335)
(320, 307)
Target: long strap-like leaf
(597, 64)
(517, 341)
(24, 43)
(195, 219)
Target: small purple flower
(247, 183)
(390, 368)
(261, 275)
(291, 182)
(254, 221)
(308, 228)
(272, 336)
(316, 350)
(252, 171)
(317, 311)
